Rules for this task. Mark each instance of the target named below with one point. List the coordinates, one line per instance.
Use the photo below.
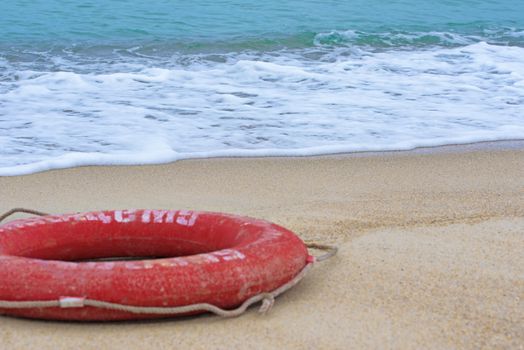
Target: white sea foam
(280, 104)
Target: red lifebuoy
(200, 257)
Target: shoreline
(430, 247)
(60, 163)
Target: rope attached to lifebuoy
(21, 210)
(267, 299)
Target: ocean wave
(284, 103)
(419, 39)
(84, 57)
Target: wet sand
(431, 248)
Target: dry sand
(431, 248)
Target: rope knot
(267, 303)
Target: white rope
(267, 299)
(21, 210)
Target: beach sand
(431, 248)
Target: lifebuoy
(191, 257)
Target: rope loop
(331, 250)
(21, 210)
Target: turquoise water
(128, 82)
(199, 25)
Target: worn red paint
(213, 258)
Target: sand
(431, 248)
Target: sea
(111, 82)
